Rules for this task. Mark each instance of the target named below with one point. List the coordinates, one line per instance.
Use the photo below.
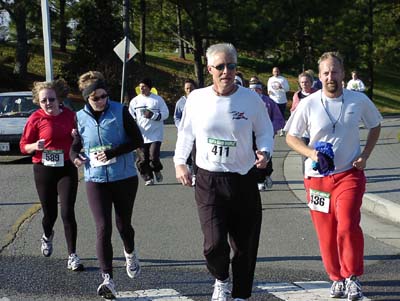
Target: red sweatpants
(339, 233)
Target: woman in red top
(48, 137)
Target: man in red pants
(334, 179)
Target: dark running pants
(148, 160)
(282, 108)
(53, 183)
(229, 207)
(101, 197)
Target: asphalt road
(169, 243)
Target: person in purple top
(278, 122)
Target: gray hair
(226, 48)
(331, 55)
(306, 75)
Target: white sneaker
(159, 176)
(47, 245)
(261, 186)
(74, 263)
(268, 182)
(107, 288)
(353, 289)
(221, 290)
(132, 264)
(338, 289)
(149, 182)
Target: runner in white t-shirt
(277, 88)
(355, 83)
(332, 115)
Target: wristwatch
(267, 155)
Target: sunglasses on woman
(97, 98)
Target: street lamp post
(47, 40)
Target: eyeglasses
(97, 98)
(220, 67)
(50, 99)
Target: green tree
(99, 29)
(18, 11)
(387, 33)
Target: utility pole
(125, 13)
(48, 60)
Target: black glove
(148, 114)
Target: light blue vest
(108, 131)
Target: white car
(15, 108)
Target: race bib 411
(221, 151)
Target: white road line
(153, 294)
(300, 291)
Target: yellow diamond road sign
(120, 49)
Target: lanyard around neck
(333, 122)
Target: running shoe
(221, 290)
(159, 176)
(149, 182)
(338, 289)
(107, 288)
(132, 264)
(353, 289)
(74, 263)
(268, 182)
(47, 244)
(261, 186)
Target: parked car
(15, 108)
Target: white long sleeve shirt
(222, 127)
(277, 87)
(152, 129)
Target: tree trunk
(179, 25)
(143, 31)
(198, 56)
(21, 54)
(63, 27)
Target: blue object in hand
(325, 164)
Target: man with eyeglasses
(149, 111)
(221, 119)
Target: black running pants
(53, 183)
(229, 207)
